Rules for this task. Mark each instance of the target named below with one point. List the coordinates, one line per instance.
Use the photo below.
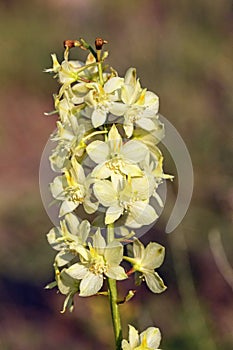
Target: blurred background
(183, 51)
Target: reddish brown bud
(99, 42)
(69, 43)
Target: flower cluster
(110, 168)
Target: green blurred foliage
(182, 50)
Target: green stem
(113, 298)
(100, 73)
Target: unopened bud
(99, 42)
(69, 43)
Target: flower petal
(90, 207)
(101, 171)
(128, 127)
(90, 284)
(84, 230)
(154, 255)
(67, 207)
(133, 337)
(78, 171)
(131, 76)
(131, 169)
(146, 124)
(134, 150)
(125, 345)
(153, 337)
(77, 271)
(72, 223)
(112, 214)
(138, 249)
(57, 188)
(116, 272)
(117, 108)
(113, 84)
(98, 151)
(154, 282)
(143, 213)
(105, 193)
(98, 241)
(114, 253)
(151, 99)
(62, 258)
(98, 117)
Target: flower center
(75, 194)
(98, 266)
(134, 114)
(101, 98)
(115, 165)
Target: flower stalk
(113, 298)
(115, 313)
